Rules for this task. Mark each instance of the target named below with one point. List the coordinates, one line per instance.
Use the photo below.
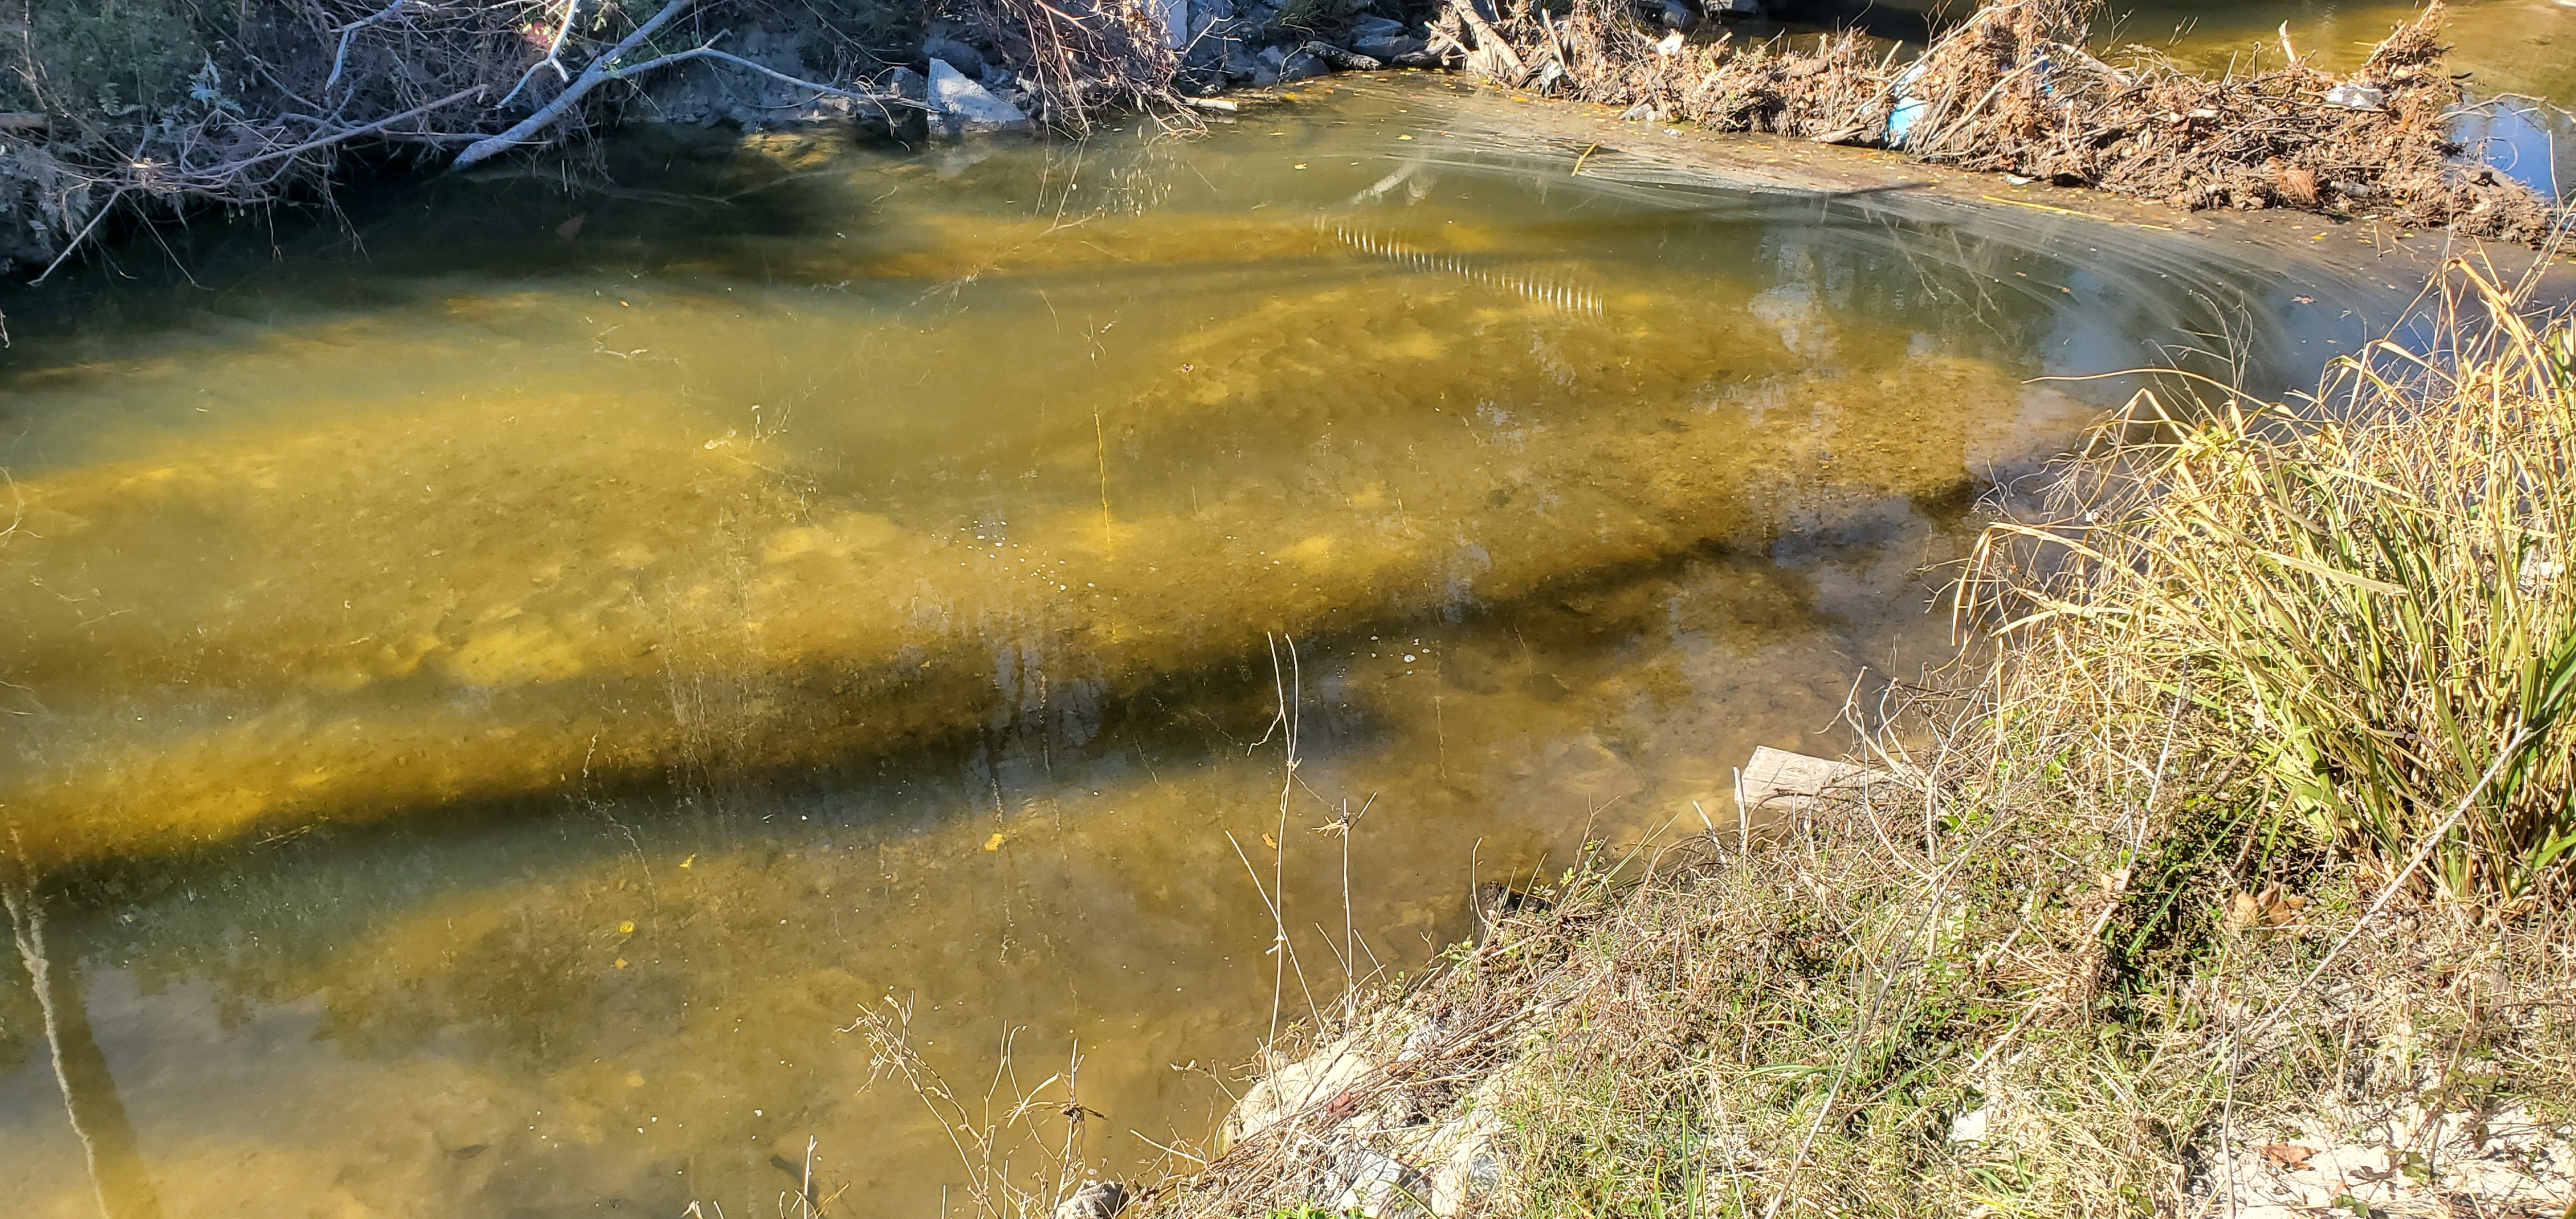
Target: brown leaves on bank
(2012, 89)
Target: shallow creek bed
(490, 713)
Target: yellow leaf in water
(1270, 842)
(626, 928)
(993, 843)
(621, 962)
(690, 860)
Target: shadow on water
(116, 1167)
(497, 700)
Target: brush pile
(2013, 90)
(173, 105)
(1079, 60)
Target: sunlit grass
(2366, 595)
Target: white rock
(2356, 97)
(1095, 1200)
(1316, 1080)
(960, 107)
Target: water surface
(494, 690)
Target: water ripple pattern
(1559, 291)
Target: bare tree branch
(340, 59)
(601, 69)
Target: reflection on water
(495, 701)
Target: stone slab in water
(1776, 780)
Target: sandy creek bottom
(493, 703)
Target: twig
(601, 69)
(554, 55)
(352, 133)
(340, 58)
(83, 235)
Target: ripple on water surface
(495, 702)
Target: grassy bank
(2230, 878)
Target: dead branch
(601, 69)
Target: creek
(495, 687)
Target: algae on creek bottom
(860, 587)
(482, 601)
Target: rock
(1496, 901)
(1315, 1081)
(1348, 61)
(1373, 1182)
(1268, 64)
(1679, 15)
(1365, 1150)
(1733, 8)
(1388, 44)
(1095, 1200)
(1175, 15)
(964, 58)
(1302, 64)
(1777, 781)
(960, 107)
(1242, 65)
(719, 93)
(2357, 97)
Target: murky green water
(494, 691)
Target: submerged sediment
(557, 584)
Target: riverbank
(172, 113)
(2233, 879)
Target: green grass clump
(2370, 598)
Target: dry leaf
(993, 843)
(2269, 908)
(2285, 1155)
(1270, 842)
